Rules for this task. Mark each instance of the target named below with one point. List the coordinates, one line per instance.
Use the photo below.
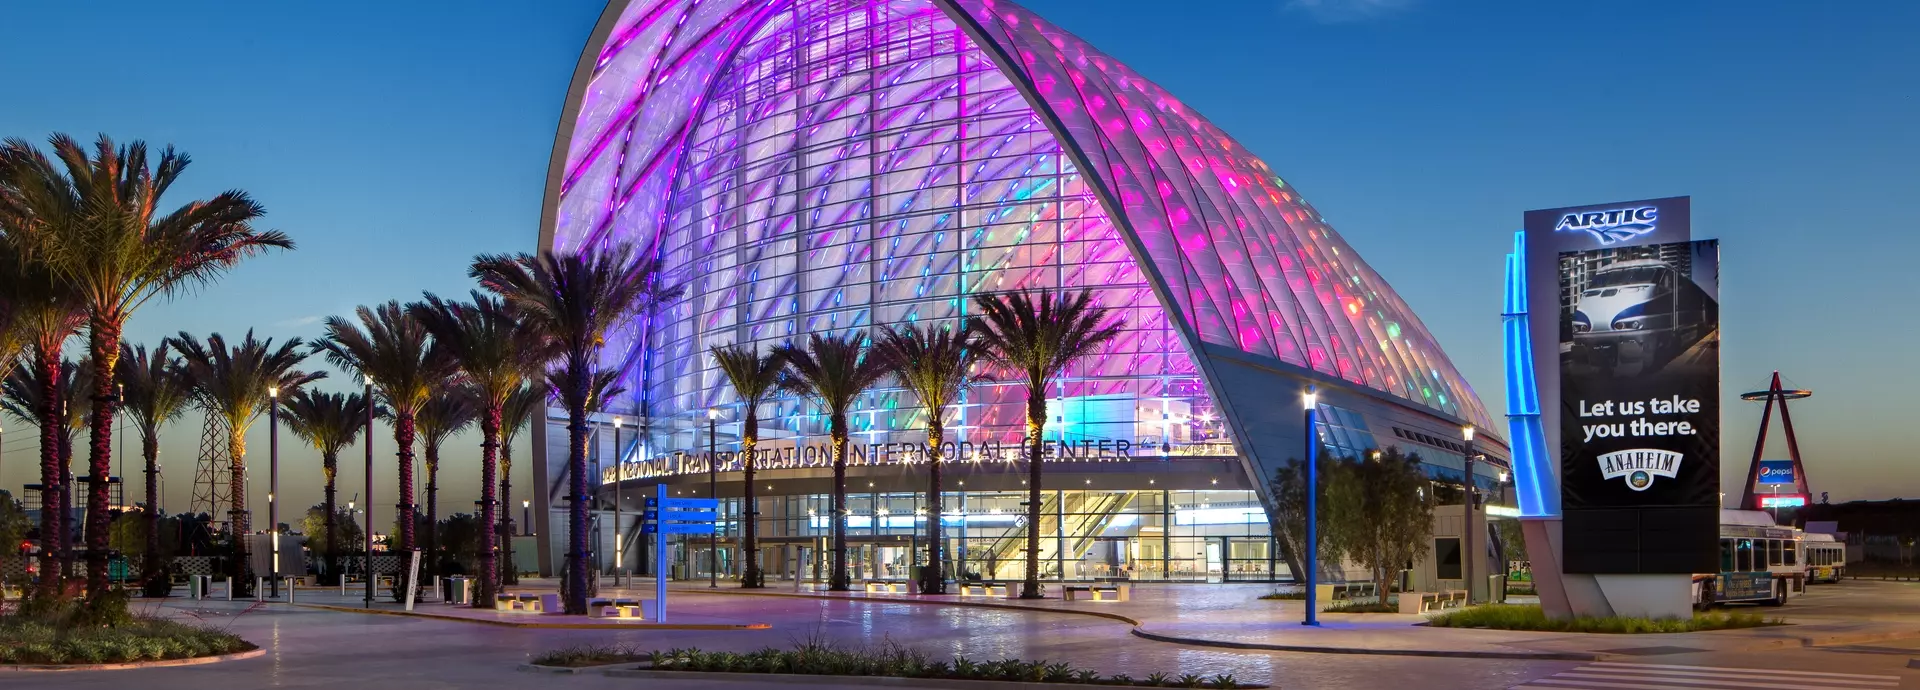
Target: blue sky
(396, 140)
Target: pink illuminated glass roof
(833, 164)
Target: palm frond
(327, 421)
(154, 387)
(833, 370)
(233, 380)
(393, 348)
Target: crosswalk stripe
(1791, 684)
(1752, 671)
(1745, 676)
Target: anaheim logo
(1639, 466)
(1609, 227)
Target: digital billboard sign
(1639, 365)
(1775, 472)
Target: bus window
(1743, 552)
(1793, 552)
(1726, 555)
(1774, 557)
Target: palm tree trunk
(837, 430)
(508, 574)
(489, 454)
(935, 578)
(103, 340)
(150, 452)
(403, 436)
(1036, 426)
(66, 500)
(433, 510)
(52, 522)
(330, 464)
(580, 549)
(750, 576)
(241, 521)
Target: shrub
(28, 641)
(1531, 617)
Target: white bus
(1826, 558)
(1760, 562)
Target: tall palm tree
(1035, 335)
(523, 406)
(572, 300)
(936, 364)
(329, 422)
(28, 394)
(450, 410)
(833, 370)
(97, 222)
(45, 314)
(155, 389)
(393, 349)
(496, 354)
(755, 378)
(236, 382)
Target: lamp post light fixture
(619, 541)
(1311, 401)
(526, 518)
(1468, 555)
(713, 492)
(273, 484)
(366, 528)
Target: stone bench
(527, 603)
(885, 587)
(1345, 591)
(1113, 592)
(984, 589)
(1422, 602)
(606, 607)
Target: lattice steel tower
(213, 472)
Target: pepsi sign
(1773, 472)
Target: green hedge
(1531, 617)
(24, 641)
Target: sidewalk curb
(1440, 653)
(130, 665)
(545, 626)
(1139, 631)
(842, 681)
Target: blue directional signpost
(666, 516)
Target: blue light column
(1533, 481)
(1313, 511)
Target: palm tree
(329, 422)
(31, 395)
(155, 390)
(1036, 335)
(833, 370)
(448, 412)
(96, 221)
(391, 348)
(520, 410)
(495, 354)
(936, 364)
(572, 300)
(45, 314)
(236, 383)
(755, 378)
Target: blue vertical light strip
(1533, 479)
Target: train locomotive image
(1635, 315)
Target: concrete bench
(1113, 592)
(530, 603)
(1453, 598)
(1422, 602)
(983, 589)
(605, 607)
(885, 587)
(1346, 591)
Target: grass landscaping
(1531, 617)
(815, 657)
(103, 632)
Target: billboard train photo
(1640, 399)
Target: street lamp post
(1466, 543)
(619, 541)
(1311, 401)
(526, 517)
(273, 484)
(713, 485)
(366, 528)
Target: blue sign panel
(1776, 472)
(677, 528)
(684, 503)
(680, 515)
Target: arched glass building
(804, 166)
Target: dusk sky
(394, 141)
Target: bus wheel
(1779, 594)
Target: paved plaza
(314, 647)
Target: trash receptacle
(457, 590)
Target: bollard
(290, 585)
(229, 588)
(259, 588)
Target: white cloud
(1340, 11)
(302, 321)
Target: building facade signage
(789, 456)
(1639, 369)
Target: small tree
(1289, 488)
(346, 531)
(1381, 516)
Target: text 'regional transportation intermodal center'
(804, 166)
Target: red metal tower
(1750, 498)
